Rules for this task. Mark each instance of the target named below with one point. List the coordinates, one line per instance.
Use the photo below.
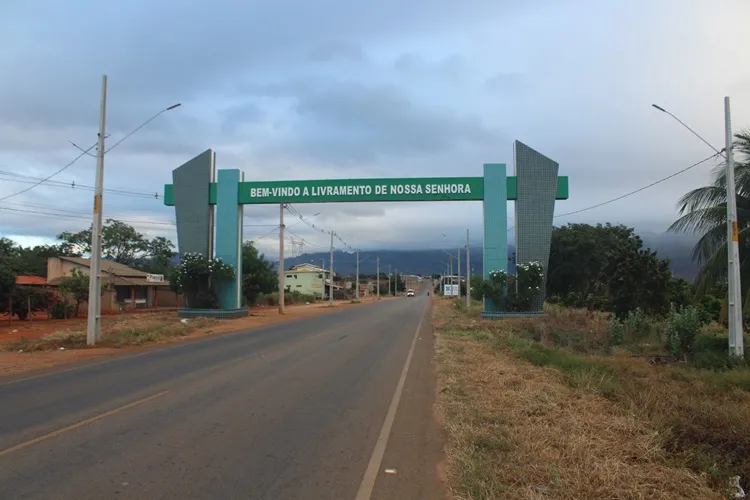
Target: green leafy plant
(62, 310)
(196, 278)
(514, 293)
(682, 327)
(76, 285)
(615, 331)
(495, 288)
(637, 322)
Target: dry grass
(137, 329)
(529, 420)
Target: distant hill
(677, 248)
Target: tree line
(121, 243)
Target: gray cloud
(337, 50)
(335, 89)
(352, 122)
(507, 84)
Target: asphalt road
(298, 410)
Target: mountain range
(676, 247)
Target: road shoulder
(415, 446)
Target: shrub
(682, 327)
(709, 308)
(637, 322)
(62, 310)
(290, 298)
(514, 293)
(296, 297)
(615, 331)
(267, 299)
(23, 296)
(196, 277)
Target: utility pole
(330, 298)
(736, 342)
(450, 274)
(357, 280)
(389, 280)
(93, 330)
(281, 258)
(468, 271)
(378, 276)
(395, 283)
(458, 265)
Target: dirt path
(13, 363)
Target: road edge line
(373, 467)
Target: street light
(93, 330)
(736, 340)
(696, 134)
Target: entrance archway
(209, 202)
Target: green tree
(120, 242)
(27, 299)
(33, 260)
(397, 284)
(258, 275)
(76, 284)
(606, 267)
(8, 267)
(158, 258)
(703, 211)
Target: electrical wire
(86, 152)
(640, 189)
(49, 176)
(618, 198)
(36, 181)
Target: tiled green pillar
(535, 210)
(229, 235)
(194, 214)
(495, 209)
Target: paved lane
(287, 411)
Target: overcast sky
(336, 89)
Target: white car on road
(410, 293)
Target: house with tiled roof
(126, 288)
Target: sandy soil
(12, 363)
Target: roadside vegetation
(123, 331)
(578, 404)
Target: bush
(709, 308)
(682, 327)
(290, 298)
(196, 277)
(205, 299)
(501, 287)
(22, 296)
(62, 310)
(615, 331)
(295, 297)
(637, 323)
(267, 299)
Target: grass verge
(129, 331)
(528, 418)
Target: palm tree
(704, 211)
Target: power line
(86, 152)
(27, 179)
(86, 217)
(302, 219)
(641, 189)
(49, 176)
